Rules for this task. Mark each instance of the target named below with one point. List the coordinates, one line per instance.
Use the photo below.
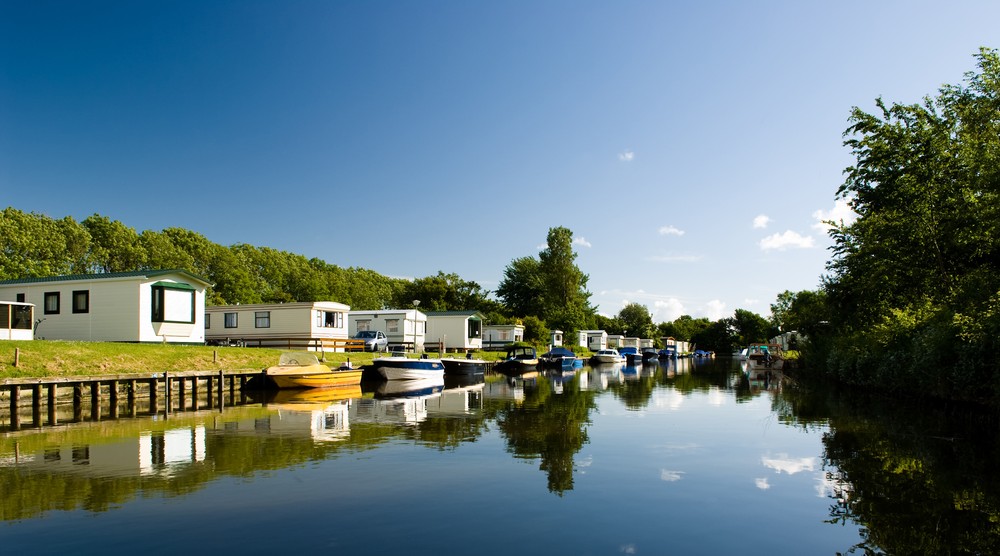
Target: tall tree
(566, 299)
(522, 288)
(635, 319)
(115, 247)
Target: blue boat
(558, 358)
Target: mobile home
(146, 306)
(499, 336)
(404, 327)
(315, 320)
(455, 330)
(594, 340)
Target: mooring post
(15, 395)
(154, 390)
(36, 405)
(222, 398)
(130, 397)
(194, 392)
(78, 401)
(181, 401)
(113, 398)
(95, 400)
(17, 356)
(52, 404)
(166, 392)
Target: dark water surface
(685, 458)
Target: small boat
(764, 356)
(401, 367)
(558, 358)
(410, 388)
(631, 355)
(606, 356)
(649, 354)
(303, 370)
(467, 366)
(519, 360)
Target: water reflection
(903, 479)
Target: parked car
(375, 340)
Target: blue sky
(691, 147)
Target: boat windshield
(298, 358)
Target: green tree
(522, 289)
(635, 318)
(750, 327)
(114, 247)
(442, 292)
(566, 299)
(33, 245)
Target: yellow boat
(303, 370)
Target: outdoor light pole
(416, 303)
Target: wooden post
(215, 356)
(95, 401)
(113, 399)
(166, 390)
(52, 404)
(181, 401)
(154, 388)
(15, 396)
(131, 397)
(209, 391)
(222, 378)
(36, 405)
(77, 401)
(194, 392)
(17, 356)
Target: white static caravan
(403, 327)
(149, 306)
(499, 336)
(325, 320)
(456, 330)
(556, 339)
(594, 340)
(631, 341)
(16, 321)
(616, 341)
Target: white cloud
(840, 213)
(671, 231)
(761, 221)
(762, 483)
(667, 310)
(626, 156)
(786, 240)
(582, 242)
(716, 309)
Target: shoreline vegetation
(58, 359)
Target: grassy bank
(55, 358)
(52, 358)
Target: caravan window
(81, 301)
(475, 328)
(392, 325)
(329, 319)
(51, 303)
(262, 319)
(173, 302)
(230, 319)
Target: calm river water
(685, 458)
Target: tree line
(543, 292)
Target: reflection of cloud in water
(762, 483)
(716, 397)
(670, 476)
(667, 398)
(628, 549)
(585, 462)
(790, 465)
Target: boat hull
(331, 379)
(464, 366)
(404, 368)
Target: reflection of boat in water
(762, 378)
(303, 370)
(313, 398)
(467, 366)
(401, 367)
(410, 388)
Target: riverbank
(60, 359)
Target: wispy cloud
(762, 483)
(671, 476)
(671, 231)
(787, 240)
(581, 241)
(785, 464)
(716, 309)
(626, 156)
(840, 213)
(667, 310)
(761, 221)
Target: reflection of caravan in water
(465, 400)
